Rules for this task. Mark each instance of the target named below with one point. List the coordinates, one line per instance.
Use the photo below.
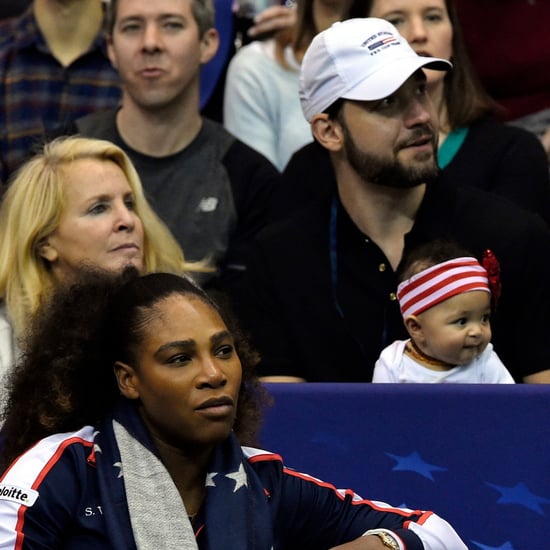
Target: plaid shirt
(38, 95)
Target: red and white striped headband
(441, 282)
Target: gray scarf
(156, 522)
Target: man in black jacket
(319, 293)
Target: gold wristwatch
(387, 540)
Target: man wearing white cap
(319, 295)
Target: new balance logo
(208, 204)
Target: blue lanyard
(333, 252)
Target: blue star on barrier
(520, 494)
(415, 463)
(505, 546)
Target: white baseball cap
(363, 59)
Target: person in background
(261, 103)
(318, 295)
(271, 20)
(77, 202)
(53, 68)
(513, 76)
(474, 148)
(445, 297)
(211, 190)
(266, 22)
(121, 432)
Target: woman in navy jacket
(122, 431)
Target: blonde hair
(32, 208)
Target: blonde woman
(78, 202)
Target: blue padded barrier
(478, 455)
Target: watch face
(388, 541)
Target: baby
(445, 300)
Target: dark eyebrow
(102, 197)
(419, 75)
(189, 345)
(219, 337)
(160, 17)
(127, 18)
(177, 345)
(169, 15)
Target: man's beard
(390, 173)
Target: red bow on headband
(490, 263)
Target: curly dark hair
(65, 379)
(429, 254)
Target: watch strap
(389, 540)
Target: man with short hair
(319, 296)
(211, 190)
